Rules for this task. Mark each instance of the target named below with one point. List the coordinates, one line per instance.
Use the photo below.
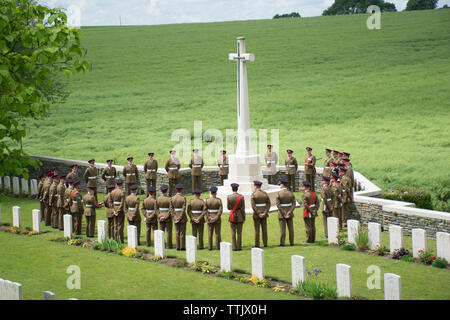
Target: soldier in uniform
(337, 198)
(260, 202)
(236, 205)
(53, 201)
(196, 165)
(45, 198)
(213, 211)
(76, 207)
(327, 202)
(109, 205)
(349, 173)
(118, 198)
(334, 169)
(271, 158)
(310, 207)
(73, 174)
(60, 191)
(164, 214)
(196, 212)
(109, 174)
(347, 195)
(335, 156)
(178, 213)
(222, 163)
(149, 212)
(150, 170)
(131, 174)
(90, 203)
(172, 168)
(285, 201)
(310, 167)
(90, 176)
(67, 194)
(40, 194)
(131, 210)
(291, 169)
(327, 163)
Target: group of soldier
(60, 195)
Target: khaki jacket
(90, 204)
(222, 163)
(163, 207)
(76, 202)
(149, 209)
(347, 191)
(239, 214)
(260, 202)
(60, 191)
(213, 209)
(109, 176)
(90, 177)
(310, 163)
(53, 195)
(196, 166)
(131, 173)
(291, 165)
(178, 208)
(327, 199)
(337, 194)
(151, 169)
(271, 162)
(40, 188)
(72, 175)
(285, 201)
(172, 168)
(310, 210)
(196, 210)
(109, 206)
(327, 167)
(118, 199)
(131, 207)
(67, 194)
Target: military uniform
(40, 195)
(261, 205)
(66, 197)
(327, 204)
(310, 207)
(131, 174)
(72, 175)
(222, 163)
(52, 204)
(178, 213)
(172, 168)
(118, 199)
(238, 219)
(60, 192)
(151, 169)
(109, 206)
(163, 211)
(213, 212)
(151, 220)
(285, 201)
(327, 164)
(45, 199)
(196, 210)
(310, 169)
(90, 203)
(131, 209)
(347, 198)
(76, 208)
(337, 200)
(291, 170)
(271, 158)
(109, 175)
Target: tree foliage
(421, 4)
(35, 46)
(287, 15)
(357, 6)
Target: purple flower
(309, 272)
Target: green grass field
(39, 265)
(381, 95)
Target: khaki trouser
(257, 222)
(90, 225)
(48, 215)
(151, 227)
(128, 185)
(310, 178)
(111, 227)
(325, 216)
(337, 213)
(54, 217)
(310, 228)
(272, 179)
(345, 213)
(222, 178)
(290, 224)
(151, 182)
(197, 231)
(172, 184)
(236, 235)
(196, 182)
(291, 182)
(214, 227)
(77, 222)
(137, 223)
(180, 235)
(61, 213)
(119, 223)
(42, 211)
(166, 226)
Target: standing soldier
(334, 169)
(76, 207)
(285, 201)
(178, 212)
(109, 174)
(327, 163)
(347, 195)
(349, 173)
(109, 205)
(42, 178)
(327, 202)
(236, 205)
(222, 163)
(196, 165)
(310, 207)
(90, 177)
(90, 203)
(67, 194)
(213, 208)
(163, 214)
(131, 210)
(53, 201)
(271, 158)
(150, 170)
(45, 198)
(118, 198)
(196, 212)
(73, 174)
(149, 212)
(131, 174)
(261, 205)
(310, 167)
(337, 198)
(335, 156)
(291, 170)
(60, 192)
(172, 168)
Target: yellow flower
(128, 251)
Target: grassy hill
(381, 95)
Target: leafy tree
(357, 6)
(36, 45)
(421, 4)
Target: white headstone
(25, 189)
(392, 287)
(10, 290)
(298, 269)
(101, 230)
(443, 245)
(1, 183)
(34, 189)
(395, 238)
(159, 243)
(68, 225)
(48, 295)
(419, 241)
(72, 299)
(258, 262)
(16, 216)
(352, 230)
(332, 226)
(374, 230)
(226, 259)
(7, 181)
(191, 249)
(132, 236)
(344, 280)
(36, 220)
(16, 186)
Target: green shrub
(421, 198)
(180, 264)
(111, 245)
(317, 289)
(342, 237)
(203, 267)
(348, 246)
(362, 239)
(226, 274)
(426, 256)
(440, 263)
(400, 253)
(381, 250)
(407, 259)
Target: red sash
(305, 213)
(234, 208)
(73, 192)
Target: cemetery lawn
(39, 264)
(381, 95)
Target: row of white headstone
(419, 239)
(13, 291)
(28, 187)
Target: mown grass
(40, 264)
(381, 95)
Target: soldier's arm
(242, 204)
(278, 202)
(229, 204)
(189, 211)
(167, 165)
(203, 211)
(219, 213)
(156, 166)
(86, 175)
(190, 163)
(291, 210)
(252, 202)
(313, 161)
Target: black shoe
(183, 249)
(178, 249)
(281, 245)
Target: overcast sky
(147, 12)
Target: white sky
(149, 12)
